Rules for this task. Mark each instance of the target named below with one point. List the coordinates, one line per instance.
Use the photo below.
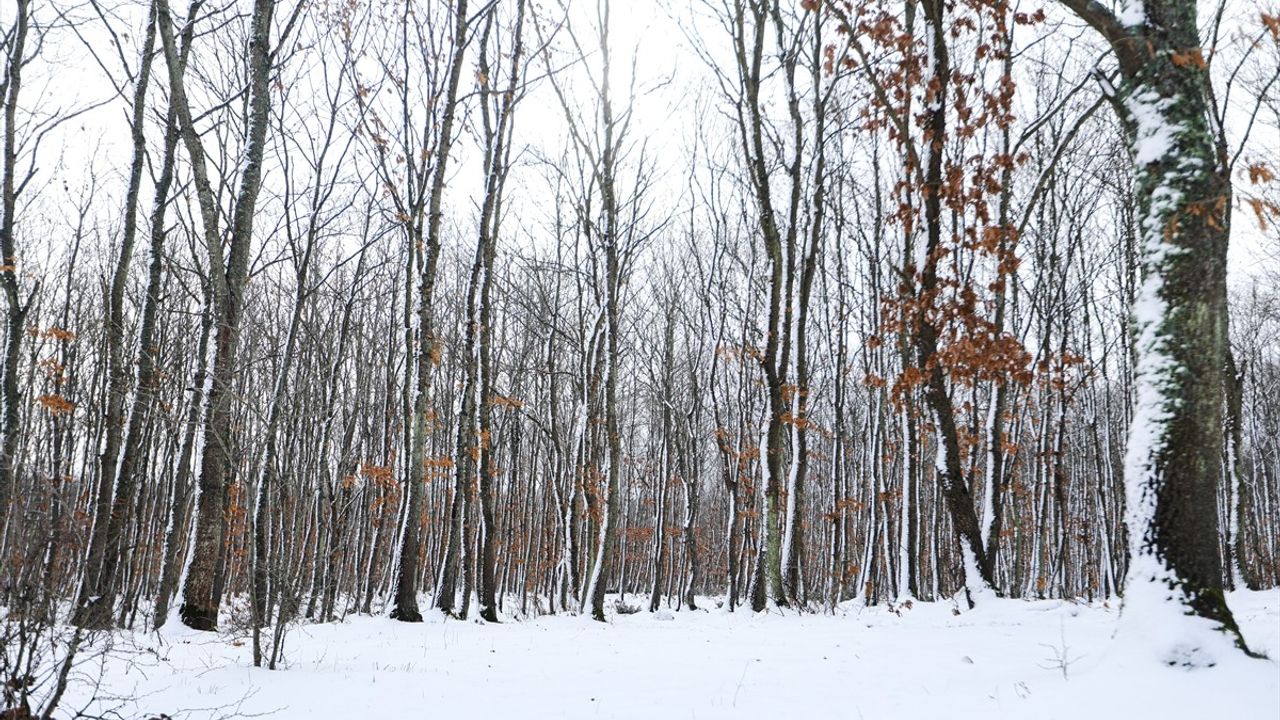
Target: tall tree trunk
(15, 318)
(176, 535)
(98, 589)
(1173, 461)
(229, 271)
(406, 594)
(950, 470)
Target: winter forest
(609, 358)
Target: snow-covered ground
(1002, 660)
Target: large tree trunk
(1173, 462)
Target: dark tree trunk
(229, 270)
(17, 311)
(115, 489)
(1174, 457)
(951, 475)
(406, 594)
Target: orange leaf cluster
(503, 401)
(1263, 209)
(55, 404)
(1272, 23)
(56, 333)
(376, 473)
(1259, 173)
(435, 468)
(1191, 58)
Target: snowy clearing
(999, 661)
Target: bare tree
(229, 270)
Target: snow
(1131, 13)
(1154, 134)
(1154, 601)
(998, 661)
(988, 516)
(1155, 612)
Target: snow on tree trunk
(1173, 463)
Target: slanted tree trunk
(406, 593)
(144, 400)
(951, 475)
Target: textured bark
(1183, 195)
(17, 311)
(1236, 476)
(229, 268)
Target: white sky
(670, 78)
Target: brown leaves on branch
(506, 402)
(1266, 210)
(1022, 18)
(1259, 173)
(1272, 23)
(1263, 209)
(55, 404)
(1191, 58)
(971, 267)
(56, 333)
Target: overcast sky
(671, 80)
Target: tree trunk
(115, 488)
(17, 310)
(229, 270)
(1173, 461)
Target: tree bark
(229, 270)
(1174, 456)
(17, 310)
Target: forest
(527, 312)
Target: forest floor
(1003, 660)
